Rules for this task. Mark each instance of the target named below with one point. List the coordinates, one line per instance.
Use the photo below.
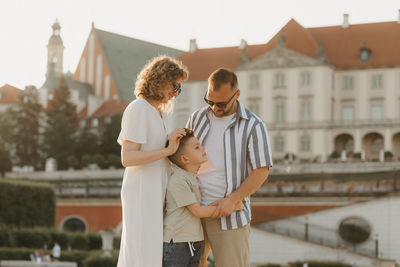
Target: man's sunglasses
(221, 105)
(177, 88)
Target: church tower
(55, 51)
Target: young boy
(183, 233)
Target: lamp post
(306, 230)
(376, 246)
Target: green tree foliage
(62, 124)
(87, 143)
(109, 134)
(26, 128)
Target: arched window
(74, 224)
(354, 230)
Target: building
(9, 97)
(103, 82)
(319, 90)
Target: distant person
(239, 158)
(142, 138)
(56, 252)
(183, 233)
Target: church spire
(55, 50)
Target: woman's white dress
(143, 189)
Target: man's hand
(224, 208)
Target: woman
(142, 138)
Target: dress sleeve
(134, 124)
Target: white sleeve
(134, 124)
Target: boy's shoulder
(180, 176)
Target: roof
(203, 62)
(274, 212)
(110, 108)
(9, 94)
(337, 45)
(126, 56)
(342, 45)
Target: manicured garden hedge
(26, 204)
(38, 238)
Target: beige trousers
(230, 247)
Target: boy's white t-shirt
(212, 177)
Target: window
(354, 230)
(280, 110)
(348, 82)
(279, 80)
(95, 123)
(279, 144)
(376, 112)
(107, 87)
(74, 225)
(305, 110)
(99, 65)
(347, 113)
(254, 106)
(254, 81)
(305, 79)
(1, 95)
(305, 143)
(377, 81)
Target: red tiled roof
(269, 213)
(110, 108)
(83, 113)
(341, 46)
(9, 94)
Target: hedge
(98, 260)
(82, 258)
(26, 204)
(37, 238)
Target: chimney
(192, 46)
(243, 44)
(398, 19)
(345, 21)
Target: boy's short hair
(176, 157)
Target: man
(239, 157)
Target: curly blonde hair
(156, 74)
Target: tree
(86, 143)
(26, 128)
(109, 134)
(61, 126)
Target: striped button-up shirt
(246, 148)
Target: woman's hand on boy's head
(174, 138)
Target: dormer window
(365, 53)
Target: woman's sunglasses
(177, 88)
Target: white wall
(267, 247)
(383, 216)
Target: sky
(25, 25)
